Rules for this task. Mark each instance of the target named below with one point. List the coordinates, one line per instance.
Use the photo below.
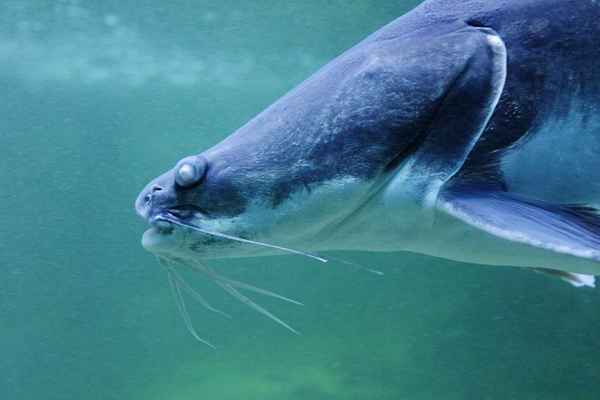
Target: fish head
(232, 190)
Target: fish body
(467, 130)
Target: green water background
(98, 98)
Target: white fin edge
(579, 280)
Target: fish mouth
(162, 233)
(160, 236)
(162, 226)
(163, 221)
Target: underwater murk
(98, 98)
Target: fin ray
(565, 229)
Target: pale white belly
(441, 235)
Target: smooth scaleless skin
(466, 129)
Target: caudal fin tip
(580, 280)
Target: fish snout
(171, 189)
(147, 199)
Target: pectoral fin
(564, 229)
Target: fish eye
(189, 173)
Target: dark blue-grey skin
(466, 129)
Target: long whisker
(229, 286)
(238, 239)
(358, 266)
(197, 296)
(242, 285)
(178, 296)
(232, 291)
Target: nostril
(148, 196)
